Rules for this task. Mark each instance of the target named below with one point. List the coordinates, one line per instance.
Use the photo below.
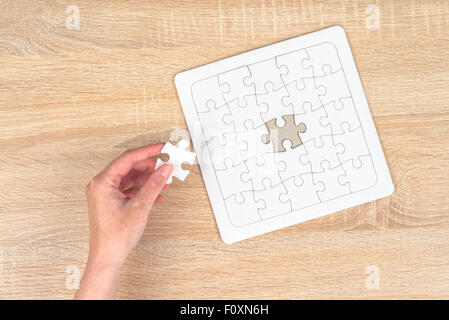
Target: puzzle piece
(290, 131)
(241, 114)
(213, 123)
(290, 160)
(301, 191)
(324, 54)
(315, 154)
(336, 116)
(235, 87)
(263, 72)
(336, 87)
(235, 186)
(293, 61)
(230, 149)
(178, 155)
(270, 195)
(254, 146)
(354, 144)
(329, 177)
(359, 177)
(267, 168)
(272, 104)
(207, 94)
(245, 211)
(314, 127)
(303, 92)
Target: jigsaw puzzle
(288, 134)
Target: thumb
(154, 185)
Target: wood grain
(72, 100)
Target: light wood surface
(72, 100)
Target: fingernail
(166, 170)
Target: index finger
(120, 167)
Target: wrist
(100, 278)
(102, 260)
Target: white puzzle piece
(232, 80)
(233, 187)
(267, 168)
(230, 148)
(271, 102)
(301, 93)
(208, 94)
(302, 191)
(293, 61)
(265, 72)
(312, 119)
(327, 151)
(353, 143)
(336, 116)
(333, 189)
(214, 122)
(252, 139)
(270, 194)
(240, 115)
(335, 163)
(359, 177)
(336, 87)
(245, 211)
(320, 56)
(178, 155)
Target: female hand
(118, 213)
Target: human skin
(118, 213)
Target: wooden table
(73, 99)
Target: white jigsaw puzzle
(287, 134)
(178, 155)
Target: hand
(118, 213)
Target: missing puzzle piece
(290, 131)
(178, 155)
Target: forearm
(99, 280)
